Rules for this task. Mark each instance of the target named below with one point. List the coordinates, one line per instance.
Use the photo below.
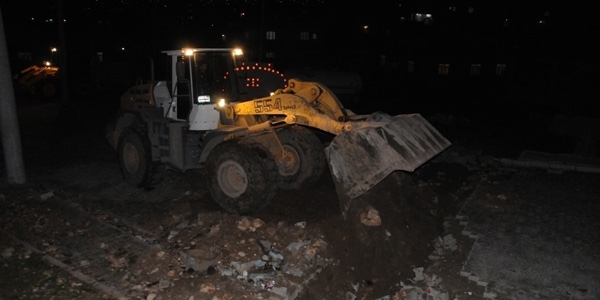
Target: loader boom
(366, 148)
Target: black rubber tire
(309, 157)
(242, 175)
(135, 159)
(48, 90)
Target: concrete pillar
(9, 125)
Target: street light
(52, 51)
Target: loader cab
(201, 78)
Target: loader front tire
(242, 176)
(306, 160)
(48, 90)
(135, 159)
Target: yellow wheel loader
(252, 147)
(40, 82)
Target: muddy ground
(76, 230)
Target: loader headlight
(238, 52)
(221, 103)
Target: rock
(200, 259)
(163, 284)
(7, 252)
(370, 217)
(258, 223)
(207, 288)
(244, 224)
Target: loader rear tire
(135, 160)
(307, 157)
(242, 176)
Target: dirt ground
(76, 230)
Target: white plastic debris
(172, 234)
(418, 274)
(300, 224)
(350, 296)
(46, 196)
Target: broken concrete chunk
(370, 217)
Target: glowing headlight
(221, 103)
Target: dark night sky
(108, 22)
(555, 62)
(150, 26)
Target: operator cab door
(202, 80)
(183, 89)
(181, 103)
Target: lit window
(443, 69)
(500, 69)
(270, 35)
(411, 66)
(304, 36)
(475, 69)
(25, 56)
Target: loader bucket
(362, 157)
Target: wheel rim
(131, 158)
(290, 164)
(49, 90)
(232, 179)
